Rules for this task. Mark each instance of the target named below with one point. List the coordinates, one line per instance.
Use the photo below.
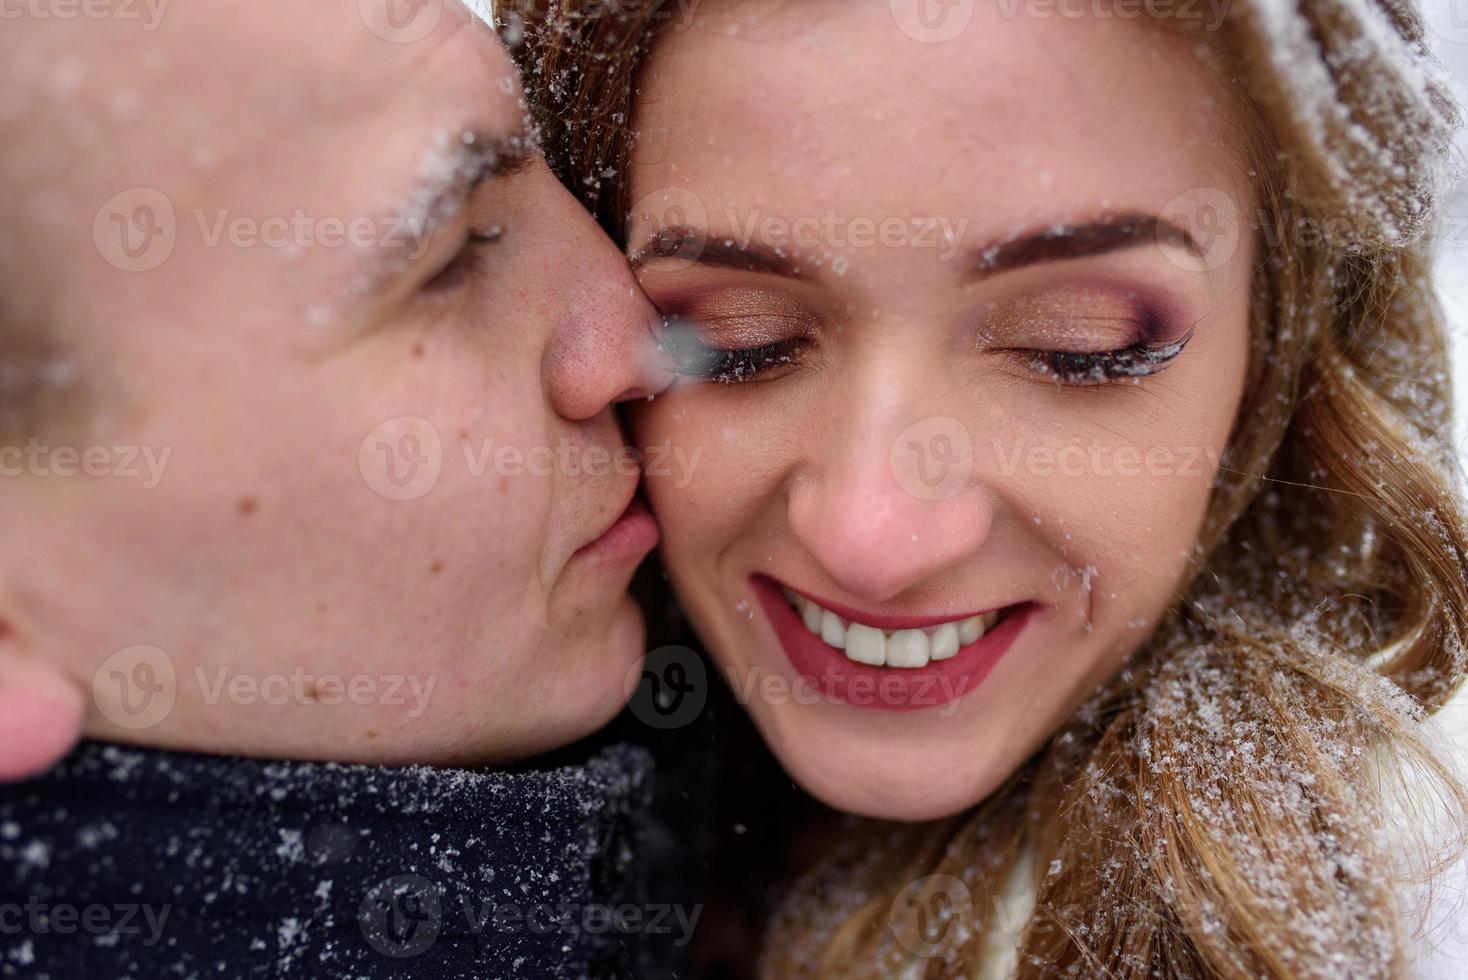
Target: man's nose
(605, 346)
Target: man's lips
(632, 535)
(840, 679)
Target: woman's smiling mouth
(893, 662)
(867, 643)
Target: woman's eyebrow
(694, 245)
(1061, 242)
(1053, 243)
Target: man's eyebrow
(449, 174)
(447, 177)
(692, 245)
(1061, 242)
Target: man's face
(309, 366)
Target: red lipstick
(887, 688)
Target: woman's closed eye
(683, 339)
(1093, 342)
(738, 335)
(694, 359)
(1141, 358)
(1085, 338)
(1137, 361)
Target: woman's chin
(894, 796)
(907, 786)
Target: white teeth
(833, 631)
(907, 648)
(901, 648)
(866, 645)
(945, 642)
(812, 615)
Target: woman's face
(970, 321)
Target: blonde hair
(1220, 808)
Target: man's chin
(597, 667)
(614, 663)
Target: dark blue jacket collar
(126, 862)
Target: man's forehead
(258, 108)
(279, 55)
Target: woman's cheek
(707, 470)
(660, 430)
(1120, 516)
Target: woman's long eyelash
(1137, 361)
(734, 366)
(466, 264)
(695, 359)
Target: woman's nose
(889, 507)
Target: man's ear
(41, 709)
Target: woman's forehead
(1026, 121)
(856, 82)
